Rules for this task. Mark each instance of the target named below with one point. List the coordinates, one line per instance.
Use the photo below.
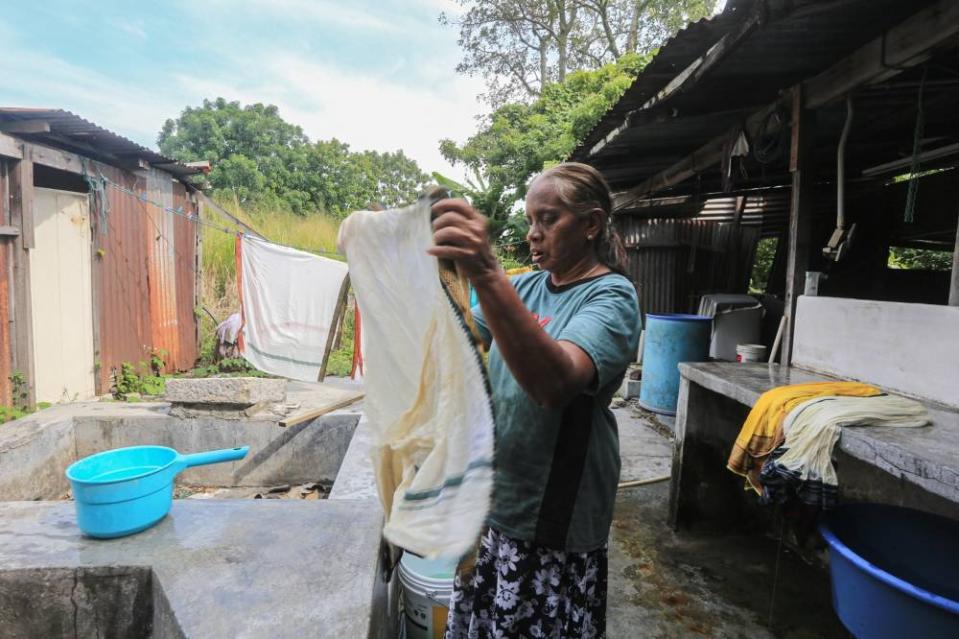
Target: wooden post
(954, 288)
(340, 307)
(735, 274)
(21, 216)
(801, 165)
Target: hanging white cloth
(426, 393)
(289, 303)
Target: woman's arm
(551, 372)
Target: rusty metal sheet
(144, 272)
(121, 274)
(187, 300)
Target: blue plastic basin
(123, 491)
(895, 571)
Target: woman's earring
(589, 238)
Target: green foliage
(130, 382)
(920, 259)
(519, 140)
(763, 264)
(20, 390)
(341, 359)
(260, 159)
(229, 367)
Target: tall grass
(315, 233)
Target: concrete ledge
(230, 391)
(927, 457)
(225, 568)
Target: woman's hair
(582, 189)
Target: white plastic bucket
(750, 353)
(427, 587)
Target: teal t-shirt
(556, 471)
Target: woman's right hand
(460, 233)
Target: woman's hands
(460, 234)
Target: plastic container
(427, 588)
(124, 491)
(670, 339)
(895, 571)
(750, 353)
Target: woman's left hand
(460, 234)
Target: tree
(521, 46)
(518, 140)
(258, 157)
(920, 259)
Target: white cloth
(812, 429)
(289, 302)
(229, 328)
(426, 393)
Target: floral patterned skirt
(518, 589)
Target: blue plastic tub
(895, 571)
(670, 339)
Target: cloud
(407, 95)
(362, 110)
(134, 28)
(322, 11)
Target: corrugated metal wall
(144, 276)
(187, 294)
(675, 261)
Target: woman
(561, 339)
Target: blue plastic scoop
(124, 491)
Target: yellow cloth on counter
(762, 432)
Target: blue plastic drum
(670, 339)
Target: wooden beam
(905, 45)
(9, 231)
(340, 307)
(10, 147)
(55, 158)
(901, 47)
(954, 286)
(21, 215)
(25, 126)
(802, 165)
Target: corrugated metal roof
(71, 132)
(791, 40)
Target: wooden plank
(802, 154)
(55, 158)
(21, 214)
(905, 45)
(313, 413)
(340, 306)
(25, 126)
(10, 147)
(9, 231)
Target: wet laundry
(289, 300)
(427, 398)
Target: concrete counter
(217, 569)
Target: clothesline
(197, 219)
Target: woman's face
(557, 238)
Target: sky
(376, 74)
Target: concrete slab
(927, 457)
(225, 390)
(666, 585)
(644, 450)
(225, 568)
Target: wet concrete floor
(666, 584)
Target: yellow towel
(762, 432)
